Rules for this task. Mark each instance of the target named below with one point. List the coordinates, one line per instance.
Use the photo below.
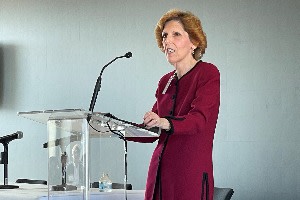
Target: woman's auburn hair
(191, 24)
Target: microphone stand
(121, 136)
(125, 168)
(4, 160)
(91, 109)
(64, 186)
(63, 159)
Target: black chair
(31, 181)
(223, 193)
(121, 186)
(114, 185)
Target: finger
(146, 121)
(152, 123)
(147, 114)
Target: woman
(186, 111)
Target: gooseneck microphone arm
(92, 105)
(99, 79)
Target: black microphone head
(128, 55)
(19, 134)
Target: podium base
(8, 186)
(63, 187)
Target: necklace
(169, 82)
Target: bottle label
(105, 186)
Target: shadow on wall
(7, 75)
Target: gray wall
(51, 53)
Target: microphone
(99, 79)
(128, 55)
(8, 138)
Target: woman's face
(177, 45)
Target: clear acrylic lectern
(69, 134)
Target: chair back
(223, 193)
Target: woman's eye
(176, 34)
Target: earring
(193, 52)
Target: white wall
(51, 53)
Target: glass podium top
(100, 124)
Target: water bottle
(105, 184)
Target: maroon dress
(181, 166)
